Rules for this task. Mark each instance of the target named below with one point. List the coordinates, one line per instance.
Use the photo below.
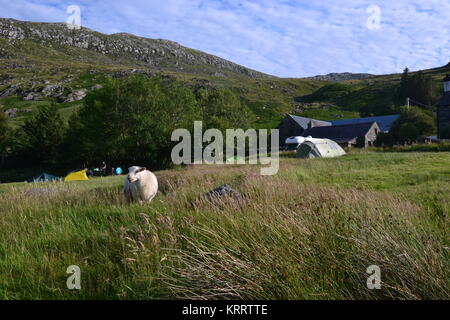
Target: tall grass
(309, 232)
(443, 146)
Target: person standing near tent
(103, 168)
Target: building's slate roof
(445, 101)
(303, 122)
(345, 132)
(384, 122)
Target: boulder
(76, 95)
(51, 90)
(223, 191)
(11, 112)
(30, 96)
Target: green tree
(43, 136)
(418, 87)
(222, 110)
(385, 140)
(5, 132)
(413, 122)
(404, 85)
(445, 134)
(130, 121)
(407, 132)
(5, 136)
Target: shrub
(42, 137)
(5, 132)
(445, 134)
(413, 122)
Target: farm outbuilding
(384, 122)
(319, 148)
(359, 134)
(292, 126)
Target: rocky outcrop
(223, 190)
(36, 91)
(337, 77)
(76, 95)
(153, 53)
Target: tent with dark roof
(44, 177)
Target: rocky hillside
(154, 54)
(343, 76)
(42, 63)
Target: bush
(435, 147)
(5, 132)
(445, 134)
(130, 121)
(221, 109)
(385, 140)
(41, 137)
(413, 123)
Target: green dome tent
(319, 148)
(44, 177)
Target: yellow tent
(77, 176)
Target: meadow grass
(308, 232)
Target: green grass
(309, 232)
(331, 113)
(433, 147)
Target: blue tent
(44, 177)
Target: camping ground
(308, 232)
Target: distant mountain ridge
(157, 54)
(43, 63)
(342, 76)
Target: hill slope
(337, 77)
(120, 48)
(44, 62)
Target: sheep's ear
(142, 169)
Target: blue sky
(293, 38)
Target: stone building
(360, 135)
(292, 126)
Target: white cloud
(284, 38)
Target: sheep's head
(133, 171)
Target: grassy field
(309, 232)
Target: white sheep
(140, 185)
